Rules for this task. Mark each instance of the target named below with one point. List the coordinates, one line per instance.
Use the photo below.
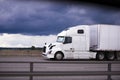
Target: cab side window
(68, 40)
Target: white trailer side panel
(108, 37)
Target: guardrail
(32, 73)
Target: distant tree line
(29, 48)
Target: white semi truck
(98, 41)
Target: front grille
(44, 49)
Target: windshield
(60, 39)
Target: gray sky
(26, 23)
(45, 17)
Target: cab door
(68, 48)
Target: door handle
(72, 49)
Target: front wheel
(100, 56)
(59, 56)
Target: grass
(20, 52)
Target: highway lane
(21, 58)
(54, 67)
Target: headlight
(52, 46)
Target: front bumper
(44, 56)
(47, 56)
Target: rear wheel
(111, 56)
(100, 56)
(59, 56)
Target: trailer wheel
(59, 56)
(100, 56)
(111, 56)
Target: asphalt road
(54, 67)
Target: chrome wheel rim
(58, 56)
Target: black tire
(117, 55)
(111, 56)
(59, 56)
(100, 56)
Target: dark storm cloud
(43, 18)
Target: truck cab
(72, 43)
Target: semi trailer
(99, 41)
